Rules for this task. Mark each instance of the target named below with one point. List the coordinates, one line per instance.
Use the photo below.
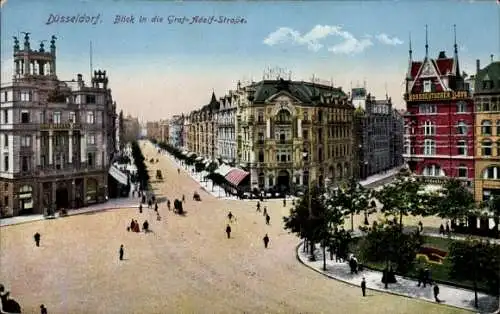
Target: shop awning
(199, 158)
(235, 176)
(223, 170)
(190, 154)
(184, 153)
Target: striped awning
(235, 176)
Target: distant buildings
(379, 134)
(487, 121)
(158, 130)
(203, 130)
(439, 123)
(131, 129)
(176, 131)
(56, 137)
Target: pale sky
(160, 69)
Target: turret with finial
(26, 41)
(16, 43)
(42, 49)
(53, 45)
(426, 42)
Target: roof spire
(426, 41)
(455, 38)
(410, 51)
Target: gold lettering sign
(438, 96)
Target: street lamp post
(305, 155)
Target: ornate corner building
(203, 130)
(56, 137)
(290, 132)
(439, 122)
(487, 121)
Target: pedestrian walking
(156, 206)
(37, 239)
(266, 241)
(168, 204)
(43, 309)
(421, 276)
(228, 231)
(158, 217)
(230, 216)
(436, 293)
(183, 198)
(447, 229)
(363, 286)
(140, 208)
(150, 203)
(121, 252)
(265, 211)
(258, 206)
(178, 171)
(284, 202)
(268, 218)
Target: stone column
(38, 149)
(54, 187)
(26, 65)
(83, 148)
(70, 144)
(51, 161)
(268, 128)
(18, 70)
(299, 128)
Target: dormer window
(487, 84)
(427, 86)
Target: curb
(69, 215)
(297, 254)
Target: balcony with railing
(284, 142)
(67, 169)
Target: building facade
(175, 131)
(487, 121)
(56, 137)
(290, 133)
(131, 129)
(439, 122)
(226, 127)
(203, 130)
(377, 139)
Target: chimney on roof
(442, 55)
(491, 57)
(478, 65)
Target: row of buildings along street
(282, 133)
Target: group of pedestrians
(231, 218)
(264, 213)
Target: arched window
(261, 155)
(461, 128)
(283, 116)
(486, 127)
(486, 148)
(492, 173)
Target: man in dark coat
(268, 218)
(266, 241)
(156, 206)
(37, 239)
(140, 208)
(363, 286)
(436, 293)
(43, 309)
(121, 252)
(228, 231)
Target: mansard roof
(306, 92)
(488, 79)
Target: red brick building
(439, 122)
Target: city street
(185, 265)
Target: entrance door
(25, 200)
(62, 200)
(283, 182)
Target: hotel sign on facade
(438, 96)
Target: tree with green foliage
(477, 261)
(308, 222)
(491, 208)
(402, 197)
(142, 171)
(352, 198)
(455, 201)
(385, 242)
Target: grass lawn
(439, 272)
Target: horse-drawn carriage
(159, 175)
(196, 197)
(178, 207)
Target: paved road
(186, 265)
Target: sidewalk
(449, 295)
(218, 192)
(110, 204)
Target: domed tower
(30, 63)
